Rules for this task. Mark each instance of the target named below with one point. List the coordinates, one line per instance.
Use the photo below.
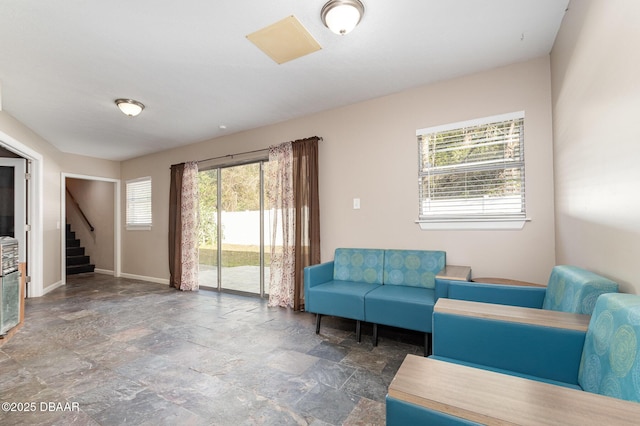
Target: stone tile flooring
(111, 351)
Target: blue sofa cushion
(400, 306)
(573, 289)
(415, 268)
(358, 265)
(610, 362)
(340, 298)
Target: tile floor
(111, 351)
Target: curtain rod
(233, 155)
(239, 153)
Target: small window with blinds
(471, 174)
(139, 204)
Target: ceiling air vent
(285, 40)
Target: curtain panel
(183, 226)
(307, 211)
(281, 206)
(294, 200)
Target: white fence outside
(243, 228)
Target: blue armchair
(510, 365)
(570, 289)
(527, 342)
(603, 359)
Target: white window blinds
(139, 203)
(473, 170)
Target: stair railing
(80, 210)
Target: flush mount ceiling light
(342, 16)
(129, 107)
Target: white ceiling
(64, 62)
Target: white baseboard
(52, 287)
(144, 278)
(103, 271)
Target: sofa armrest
(318, 274)
(438, 392)
(528, 297)
(526, 341)
(441, 288)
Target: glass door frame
(218, 169)
(20, 210)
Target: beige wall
(596, 107)
(97, 201)
(370, 152)
(54, 163)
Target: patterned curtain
(295, 237)
(281, 205)
(183, 226)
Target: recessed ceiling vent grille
(285, 40)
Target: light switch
(356, 203)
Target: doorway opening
(91, 205)
(232, 229)
(33, 215)
(13, 201)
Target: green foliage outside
(240, 191)
(207, 188)
(480, 157)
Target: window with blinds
(473, 171)
(139, 203)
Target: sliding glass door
(241, 242)
(232, 229)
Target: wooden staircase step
(73, 243)
(76, 262)
(75, 251)
(80, 269)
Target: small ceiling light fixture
(342, 16)
(130, 107)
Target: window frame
(129, 221)
(463, 220)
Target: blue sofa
(603, 360)
(383, 287)
(570, 289)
